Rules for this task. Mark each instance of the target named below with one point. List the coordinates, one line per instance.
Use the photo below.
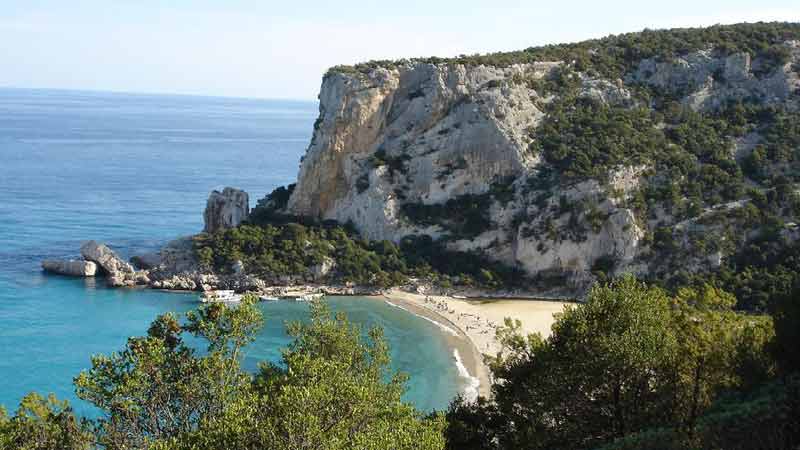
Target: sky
(281, 49)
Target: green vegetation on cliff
(614, 56)
(283, 252)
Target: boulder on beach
(73, 268)
(226, 209)
(104, 257)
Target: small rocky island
(172, 267)
(175, 266)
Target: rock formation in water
(226, 209)
(104, 257)
(73, 268)
(117, 271)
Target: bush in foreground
(332, 390)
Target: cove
(133, 171)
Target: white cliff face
(442, 131)
(709, 81)
(425, 133)
(226, 209)
(453, 130)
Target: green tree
(158, 386)
(719, 348)
(44, 424)
(597, 377)
(632, 366)
(333, 390)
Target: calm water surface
(134, 171)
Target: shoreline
(469, 326)
(468, 317)
(465, 353)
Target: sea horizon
(123, 92)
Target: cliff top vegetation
(613, 56)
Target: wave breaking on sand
(472, 383)
(444, 327)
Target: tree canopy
(631, 360)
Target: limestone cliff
(394, 137)
(226, 209)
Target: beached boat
(221, 296)
(309, 297)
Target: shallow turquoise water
(134, 171)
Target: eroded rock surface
(428, 133)
(105, 258)
(226, 209)
(73, 268)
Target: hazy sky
(281, 49)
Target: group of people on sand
(443, 306)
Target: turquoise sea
(134, 171)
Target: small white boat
(269, 298)
(460, 297)
(309, 297)
(221, 296)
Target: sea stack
(73, 268)
(226, 209)
(104, 257)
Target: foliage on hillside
(281, 250)
(637, 368)
(584, 138)
(615, 55)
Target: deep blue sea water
(134, 171)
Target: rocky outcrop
(707, 80)
(117, 271)
(321, 270)
(105, 258)
(443, 130)
(73, 268)
(226, 209)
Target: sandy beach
(470, 325)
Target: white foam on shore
(438, 324)
(471, 388)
